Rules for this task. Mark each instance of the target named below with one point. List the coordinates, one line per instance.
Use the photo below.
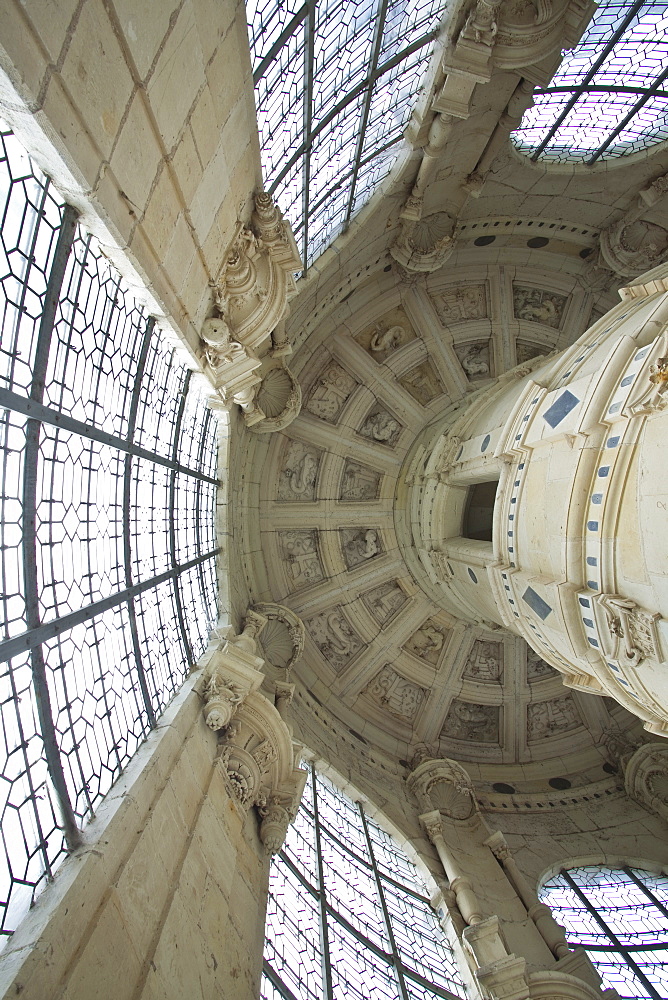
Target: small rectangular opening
(479, 511)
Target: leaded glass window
(107, 520)
(620, 917)
(609, 97)
(348, 916)
(335, 83)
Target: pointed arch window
(348, 915)
(335, 83)
(107, 527)
(620, 917)
(609, 97)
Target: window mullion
(127, 511)
(29, 510)
(396, 960)
(643, 888)
(322, 900)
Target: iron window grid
(618, 67)
(108, 582)
(335, 84)
(312, 876)
(602, 941)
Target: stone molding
(294, 624)
(251, 299)
(646, 778)
(256, 749)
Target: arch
(357, 895)
(592, 108)
(619, 915)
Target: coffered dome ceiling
(381, 653)
(468, 261)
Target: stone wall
(144, 116)
(167, 897)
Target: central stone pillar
(541, 506)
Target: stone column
(552, 933)
(167, 896)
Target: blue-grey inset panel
(560, 408)
(536, 603)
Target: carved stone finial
(274, 826)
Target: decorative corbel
(258, 275)
(633, 631)
(646, 777)
(277, 398)
(233, 672)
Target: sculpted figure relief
(385, 601)
(474, 359)
(422, 383)
(537, 667)
(395, 693)
(467, 721)
(484, 662)
(387, 340)
(427, 642)
(359, 545)
(380, 426)
(300, 469)
(458, 304)
(334, 637)
(330, 392)
(359, 482)
(548, 718)
(538, 306)
(300, 552)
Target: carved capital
(631, 246)
(257, 278)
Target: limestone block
(144, 28)
(161, 214)
(93, 59)
(21, 53)
(178, 77)
(136, 156)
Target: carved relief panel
(384, 602)
(474, 359)
(526, 350)
(537, 305)
(552, 718)
(299, 550)
(537, 667)
(467, 721)
(428, 642)
(422, 383)
(379, 425)
(299, 471)
(485, 662)
(387, 335)
(455, 305)
(394, 693)
(330, 392)
(359, 482)
(335, 637)
(359, 545)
